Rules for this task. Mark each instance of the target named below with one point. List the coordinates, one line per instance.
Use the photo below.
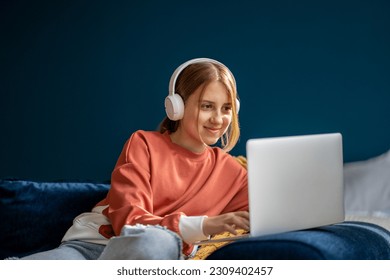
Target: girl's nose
(217, 117)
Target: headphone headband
(175, 75)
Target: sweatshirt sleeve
(240, 201)
(130, 198)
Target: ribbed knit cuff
(191, 228)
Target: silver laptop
(294, 183)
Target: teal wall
(78, 77)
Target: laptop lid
(295, 182)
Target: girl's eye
(227, 108)
(206, 106)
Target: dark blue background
(78, 77)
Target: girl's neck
(177, 139)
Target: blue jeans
(135, 243)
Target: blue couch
(35, 215)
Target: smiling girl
(172, 187)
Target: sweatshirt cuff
(191, 228)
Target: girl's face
(205, 120)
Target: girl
(172, 187)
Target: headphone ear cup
(237, 105)
(174, 107)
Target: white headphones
(174, 104)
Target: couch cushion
(367, 187)
(34, 216)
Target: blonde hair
(201, 74)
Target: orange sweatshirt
(157, 182)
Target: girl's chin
(210, 141)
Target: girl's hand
(226, 222)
